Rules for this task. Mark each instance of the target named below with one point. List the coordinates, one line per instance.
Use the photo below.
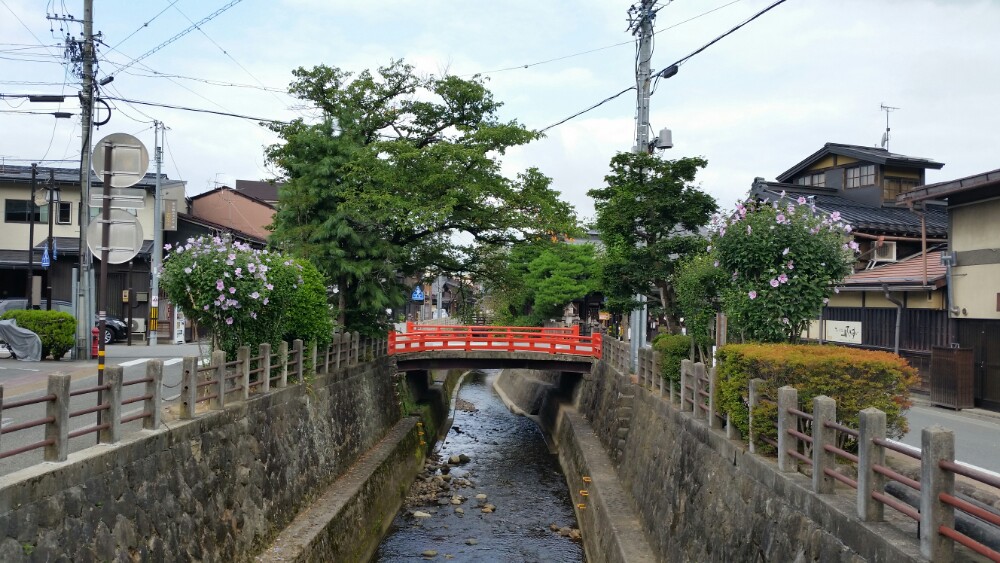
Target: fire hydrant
(93, 342)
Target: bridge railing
(816, 444)
(495, 338)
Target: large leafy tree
(535, 281)
(649, 215)
(378, 186)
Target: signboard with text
(848, 332)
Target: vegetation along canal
(504, 498)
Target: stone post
(824, 410)
(685, 376)
(58, 409)
(326, 358)
(219, 363)
(937, 444)
(265, 365)
(355, 347)
(189, 387)
(753, 400)
(338, 340)
(243, 357)
(872, 426)
(283, 359)
(151, 406)
(112, 416)
(698, 409)
(313, 353)
(788, 398)
(300, 359)
(713, 389)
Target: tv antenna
(885, 136)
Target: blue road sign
(418, 294)
(45, 258)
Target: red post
(392, 342)
(94, 332)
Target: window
(21, 211)
(65, 215)
(818, 179)
(861, 176)
(892, 187)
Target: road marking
(173, 361)
(134, 362)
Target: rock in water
(575, 534)
(464, 458)
(460, 510)
(419, 514)
(480, 496)
(554, 527)
(455, 460)
(471, 541)
(429, 553)
(564, 531)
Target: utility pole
(154, 288)
(84, 307)
(29, 292)
(641, 24)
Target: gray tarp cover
(25, 344)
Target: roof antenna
(885, 136)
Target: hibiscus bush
(781, 260)
(247, 296)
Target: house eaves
(862, 153)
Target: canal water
(526, 502)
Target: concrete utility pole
(84, 307)
(642, 25)
(154, 286)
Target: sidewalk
(982, 414)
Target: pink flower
(848, 228)
(785, 252)
(790, 266)
(205, 308)
(239, 272)
(269, 286)
(853, 245)
(783, 278)
(220, 285)
(749, 230)
(835, 216)
(167, 247)
(752, 295)
(253, 315)
(266, 300)
(255, 295)
(802, 200)
(229, 320)
(716, 264)
(232, 290)
(780, 218)
(774, 282)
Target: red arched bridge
(480, 347)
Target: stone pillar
(300, 359)
(937, 444)
(283, 358)
(753, 400)
(326, 358)
(824, 410)
(58, 409)
(713, 390)
(151, 406)
(313, 353)
(338, 341)
(189, 387)
(658, 372)
(112, 416)
(243, 357)
(872, 426)
(265, 365)
(685, 377)
(698, 409)
(219, 363)
(355, 348)
(788, 398)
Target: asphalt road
(977, 437)
(25, 380)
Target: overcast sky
(754, 104)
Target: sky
(754, 104)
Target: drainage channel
(492, 491)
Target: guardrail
(218, 383)
(816, 444)
(495, 338)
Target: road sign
(121, 198)
(129, 159)
(45, 258)
(418, 294)
(124, 237)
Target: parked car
(115, 328)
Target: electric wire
(166, 144)
(197, 110)
(40, 42)
(145, 25)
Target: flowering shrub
(781, 260)
(246, 296)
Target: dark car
(115, 328)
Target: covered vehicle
(115, 328)
(24, 344)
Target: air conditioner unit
(885, 253)
(138, 325)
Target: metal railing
(425, 338)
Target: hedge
(856, 379)
(672, 348)
(56, 329)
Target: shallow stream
(526, 513)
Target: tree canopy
(649, 215)
(396, 165)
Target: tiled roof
(867, 154)
(67, 176)
(265, 191)
(907, 272)
(866, 218)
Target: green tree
(394, 167)
(697, 283)
(781, 259)
(648, 216)
(541, 278)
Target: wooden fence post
(58, 409)
(154, 372)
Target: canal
(504, 497)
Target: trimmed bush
(672, 348)
(56, 329)
(856, 379)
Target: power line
(579, 113)
(145, 25)
(40, 42)
(206, 19)
(198, 110)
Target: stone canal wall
(217, 488)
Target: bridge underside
(456, 359)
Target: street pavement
(977, 431)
